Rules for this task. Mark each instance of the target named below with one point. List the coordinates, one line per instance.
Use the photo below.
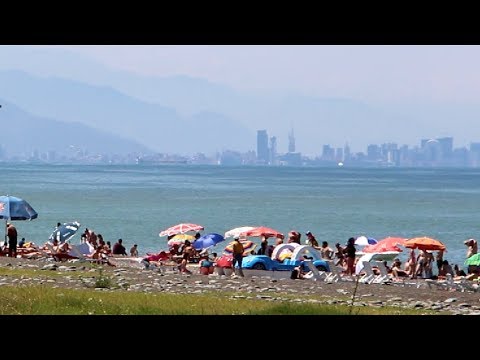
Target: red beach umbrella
(263, 231)
(387, 244)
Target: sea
(136, 202)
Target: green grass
(18, 272)
(44, 300)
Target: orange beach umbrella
(424, 243)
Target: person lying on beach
(397, 270)
(153, 260)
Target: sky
(371, 73)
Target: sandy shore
(414, 295)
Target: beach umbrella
(424, 243)
(364, 241)
(14, 208)
(248, 247)
(179, 239)
(473, 260)
(282, 249)
(237, 231)
(263, 231)
(387, 244)
(207, 241)
(65, 231)
(181, 229)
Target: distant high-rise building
(346, 152)
(446, 147)
(291, 142)
(273, 150)
(475, 154)
(339, 154)
(328, 153)
(262, 146)
(373, 152)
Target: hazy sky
(395, 93)
(372, 73)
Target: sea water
(136, 202)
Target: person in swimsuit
(472, 247)
(187, 253)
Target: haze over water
(136, 202)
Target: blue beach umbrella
(364, 241)
(65, 232)
(207, 241)
(14, 208)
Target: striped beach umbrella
(181, 229)
(65, 231)
(248, 247)
(179, 239)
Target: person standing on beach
(56, 228)
(472, 247)
(238, 255)
(349, 252)
(312, 241)
(12, 240)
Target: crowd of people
(421, 265)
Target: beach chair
(462, 284)
(317, 275)
(384, 275)
(445, 284)
(369, 274)
(334, 275)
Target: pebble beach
(410, 295)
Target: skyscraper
(262, 147)
(291, 142)
(273, 150)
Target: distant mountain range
(24, 133)
(103, 108)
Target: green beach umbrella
(473, 260)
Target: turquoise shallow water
(136, 202)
